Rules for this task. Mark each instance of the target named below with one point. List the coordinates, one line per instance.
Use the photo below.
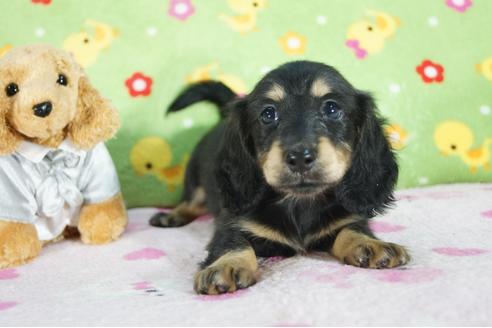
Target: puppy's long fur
(298, 165)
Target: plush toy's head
(45, 97)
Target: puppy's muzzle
(300, 160)
(43, 109)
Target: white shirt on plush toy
(48, 186)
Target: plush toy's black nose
(300, 161)
(43, 109)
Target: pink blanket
(145, 278)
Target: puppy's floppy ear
(9, 138)
(367, 187)
(96, 119)
(239, 179)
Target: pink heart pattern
(7, 305)
(378, 226)
(147, 253)
(452, 251)
(6, 274)
(487, 214)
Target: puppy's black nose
(300, 161)
(43, 109)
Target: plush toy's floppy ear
(9, 138)
(367, 187)
(96, 120)
(239, 179)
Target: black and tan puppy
(298, 165)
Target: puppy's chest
(296, 228)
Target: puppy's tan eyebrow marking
(319, 88)
(276, 92)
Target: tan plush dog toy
(55, 171)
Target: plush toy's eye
(62, 80)
(269, 115)
(332, 110)
(11, 89)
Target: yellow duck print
(205, 73)
(368, 36)
(455, 138)
(397, 136)
(246, 15)
(485, 68)
(5, 49)
(86, 47)
(152, 155)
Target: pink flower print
(181, 9)
(459, 5)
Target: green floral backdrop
(427, 62)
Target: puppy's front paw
(224, 278)
(358, 249)
(376, 254)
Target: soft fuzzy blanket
(145, 278)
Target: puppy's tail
(212, 91)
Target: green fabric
(168, 49)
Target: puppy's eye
(11, 89)
(269, 115)
(62, 80)
(332, 110)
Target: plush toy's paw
(19, 243)
(104, 222)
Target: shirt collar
(35, 152)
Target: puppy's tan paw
(376, 254)
(232, 271)
(221, 279)
(357, 249)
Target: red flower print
(430, 72)
(42, 2)
(139, 85)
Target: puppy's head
(305, 131)
(44, 93)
